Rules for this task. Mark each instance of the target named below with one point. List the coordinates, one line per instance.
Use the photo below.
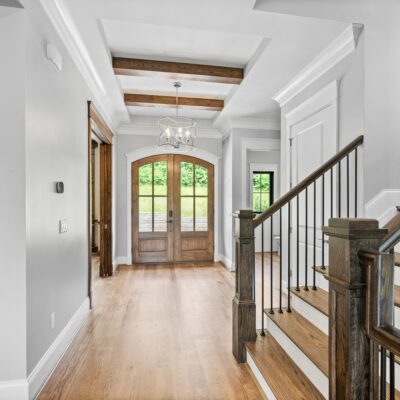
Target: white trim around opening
(152, 151)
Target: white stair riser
(316, 317)
(313, 373)
(260, 379)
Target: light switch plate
(63, 226)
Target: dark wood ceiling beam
(176, 70)
(148, 100)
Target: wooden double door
(172, 209)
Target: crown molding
(228, 124)
(149, 127)
(69, 35)
(339, 49)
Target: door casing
(181, 246)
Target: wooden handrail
(282, 201)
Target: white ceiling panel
(179, 44)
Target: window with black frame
(262, 190)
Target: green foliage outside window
(262, 191)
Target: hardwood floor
(156, 332)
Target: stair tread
(319, 298)
(307, 337)
(396, 287)
(397, 295)
(282, 375)
(322, 271)
(397, 259)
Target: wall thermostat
(60, 187)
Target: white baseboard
(14, 390)
(230, 266)
(120, 261)
(259, 377)
(51, 358)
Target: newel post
(244, 306)
(351, 354)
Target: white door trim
(153, 151)
(254, 144)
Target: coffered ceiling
(269, 48)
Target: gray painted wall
(56, 150)
(12, 199)
(126, 144)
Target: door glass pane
(201, 213)
(145, 214)
(186, 214)
(201, 181)
(160, 178)
(186, 179)
(160, 214)
(145, 179)
(264, 182)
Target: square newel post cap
(245, 214)
(354, 228)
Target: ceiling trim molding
(339, 49)
(69, 35)
(269, 124)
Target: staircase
(287, 346)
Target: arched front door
(172, 209)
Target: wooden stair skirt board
(304, 343)
(278, 375)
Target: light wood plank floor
(156, 332)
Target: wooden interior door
(193, 209)
(106, 267)
(152, 209)
(172, 209)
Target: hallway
(156, 332)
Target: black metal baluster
(280, 260)
(323, 221)
(355, 182)
(383, 373)
(306, 244)
(289, 309)
(391, 378)
(315, 235)
(339, 190)
(332, 192)
(262, 280)
(271, 311)
(297, 248)
(348, 185)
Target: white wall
(236, 189)
(125, 144)
(380, 85)
(12, 199)
(227, 218)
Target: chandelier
(177, 132)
